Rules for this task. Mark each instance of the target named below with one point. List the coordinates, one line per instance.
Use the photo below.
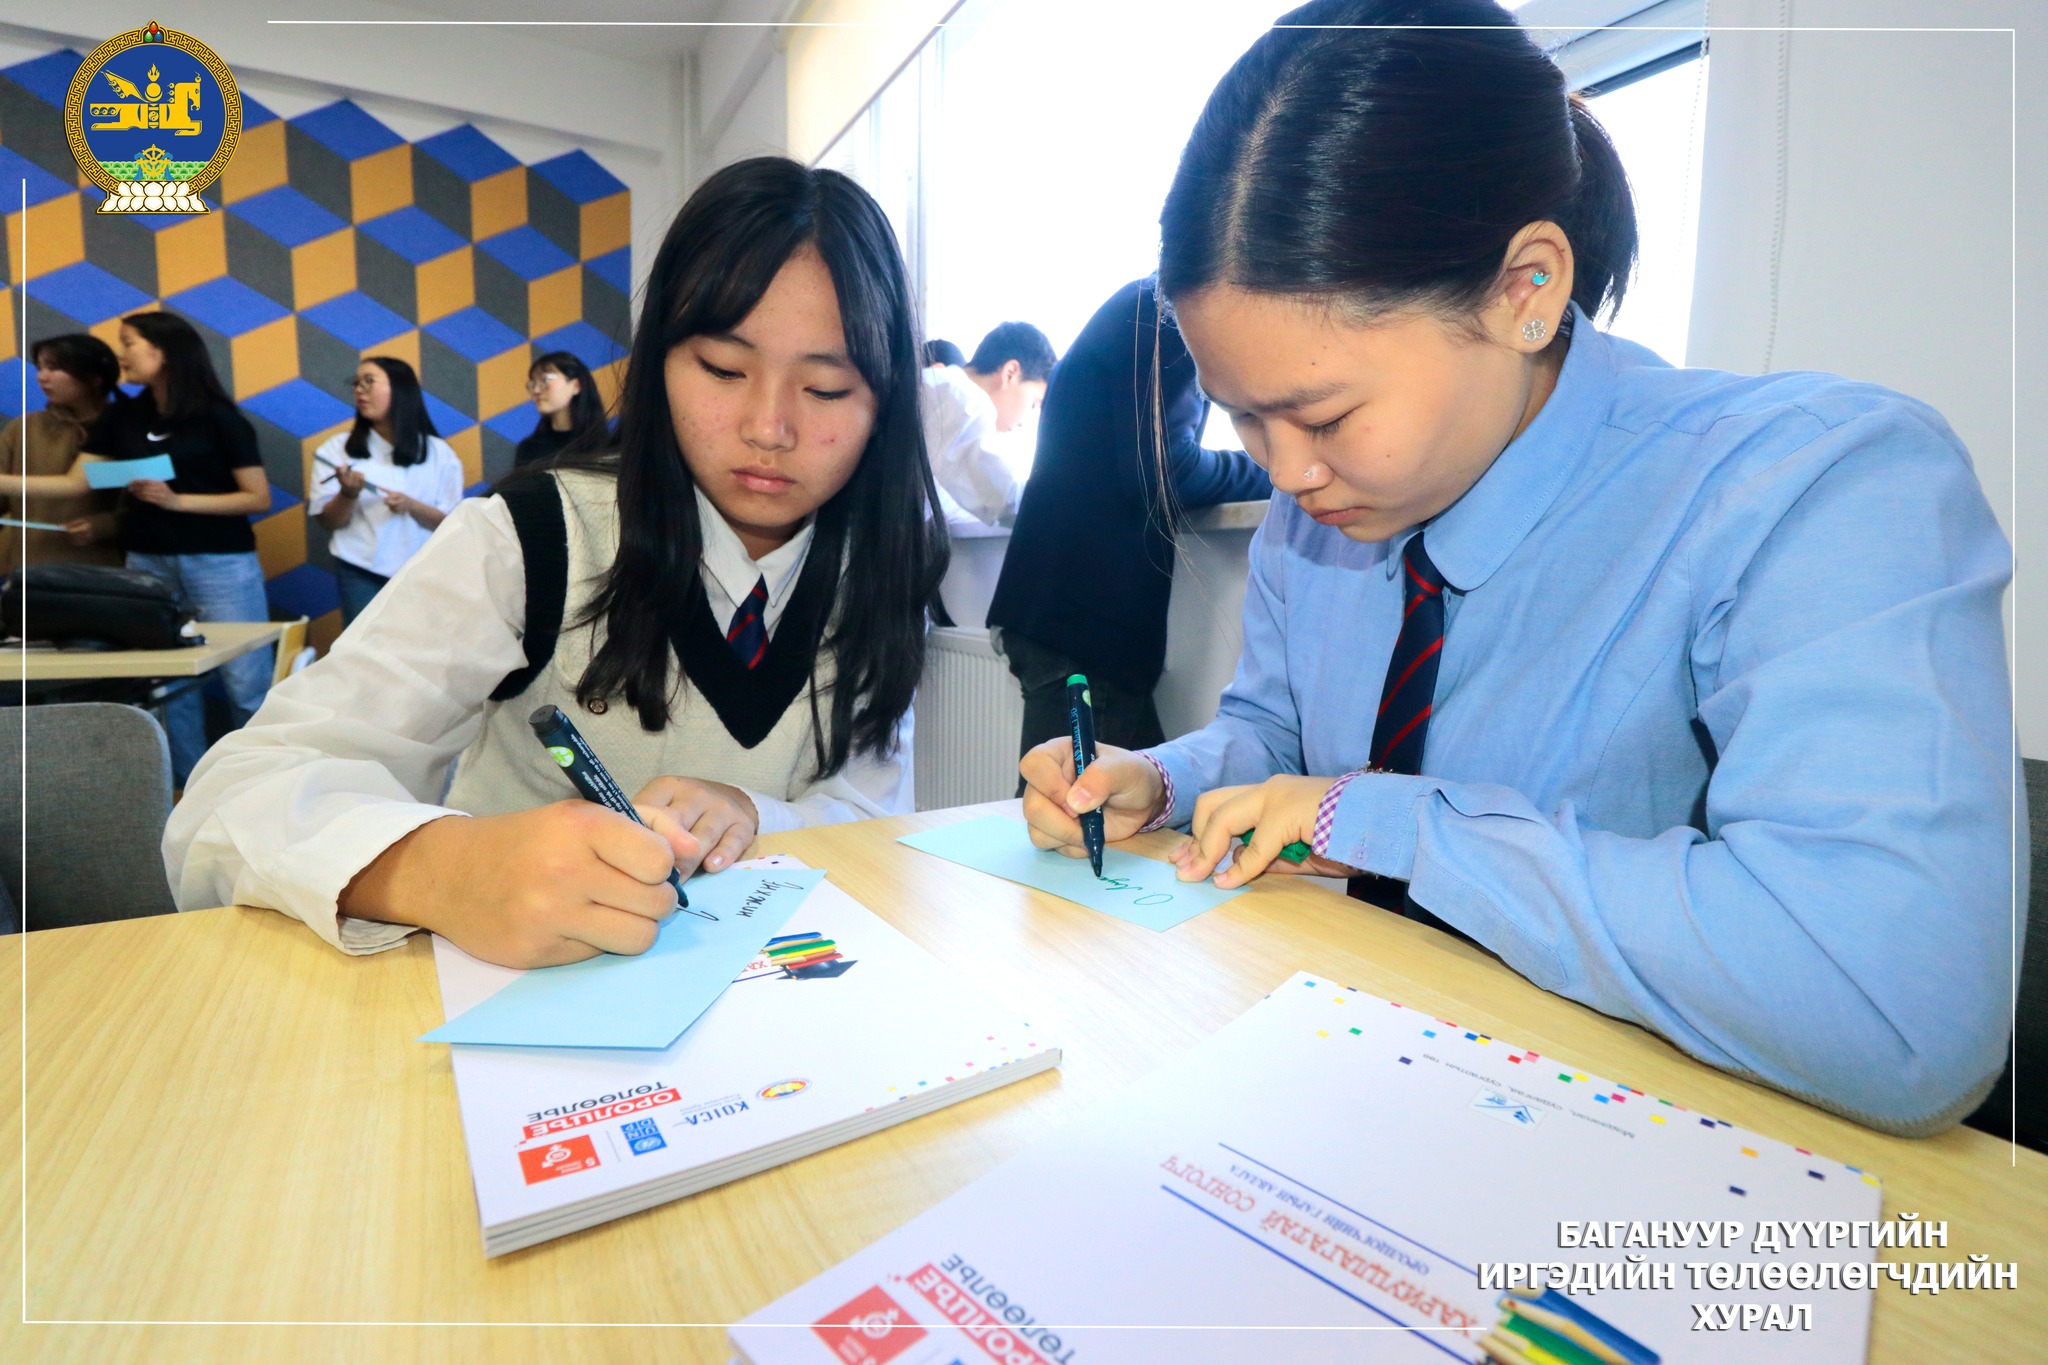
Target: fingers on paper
(1220, 816)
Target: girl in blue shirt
(1684, 692)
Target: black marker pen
(1081, 716)
(568, 748)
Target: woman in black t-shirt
(193, 530)
(571, 412)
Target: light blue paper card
(121, 473)
(648, 1000)
(1137, 889)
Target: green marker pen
(1296, 852)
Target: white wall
(537, 98)
(1896, 261)
(739, 91)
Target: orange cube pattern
(332, 238)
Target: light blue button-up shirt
(1723, 742)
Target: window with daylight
(1024, 152)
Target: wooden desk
(229, 1122)
(225, 640)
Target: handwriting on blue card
(121, 473)
(648, 1000)
(1137, 889)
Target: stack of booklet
(1335, 1178)
(841, 1026)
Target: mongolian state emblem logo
(153, 117)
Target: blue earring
(1540, 278)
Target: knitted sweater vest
(506, 769)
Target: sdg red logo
(872, 1329)
(561, 1158)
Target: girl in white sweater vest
(732, 607)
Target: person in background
(1684, 692)
(571, 410)
(939, 351)
(1106, 489)
(78, 375)
(412, 476)
(192, 530)
(965, 406)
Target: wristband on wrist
(1166, 805)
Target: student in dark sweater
(571, 411)
(1085, 585)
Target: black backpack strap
(536, 506)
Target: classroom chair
(99, 791)
(293, 653)
(2027, 1063)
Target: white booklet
(1322, 1181)
(845, 1028)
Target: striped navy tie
(748, 633)
(1405, 704)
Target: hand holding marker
(567, 747)
(1081, 716)
(338, 468)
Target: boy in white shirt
(965, 406)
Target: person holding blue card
(188, 525)
(731, 605)
(1684, 692)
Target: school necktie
(748, 633)
(1406, 701)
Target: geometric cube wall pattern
(333, 239)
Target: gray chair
(99, 791)
(2027, 1063)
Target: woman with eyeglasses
(564, 393)
(381, 489)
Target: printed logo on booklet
(566, 1157)
(869, 1329)
(1509, 1111)
(643, 1136)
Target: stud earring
(1540, 278)
(1533, 329)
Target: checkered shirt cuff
(1326, 813)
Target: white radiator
(969, 714)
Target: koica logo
(566, 1157)
(870, 1329)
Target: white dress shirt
(378, 539)
(352, 754)
(960, 439)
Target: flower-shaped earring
(1534, 328)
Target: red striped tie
(748, 633)
(1406, 701)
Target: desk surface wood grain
(225, 640)
(228, 1126)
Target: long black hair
(411, 423)
(882, 531)
(1378, 166)
(588, 429)
(191, 386)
